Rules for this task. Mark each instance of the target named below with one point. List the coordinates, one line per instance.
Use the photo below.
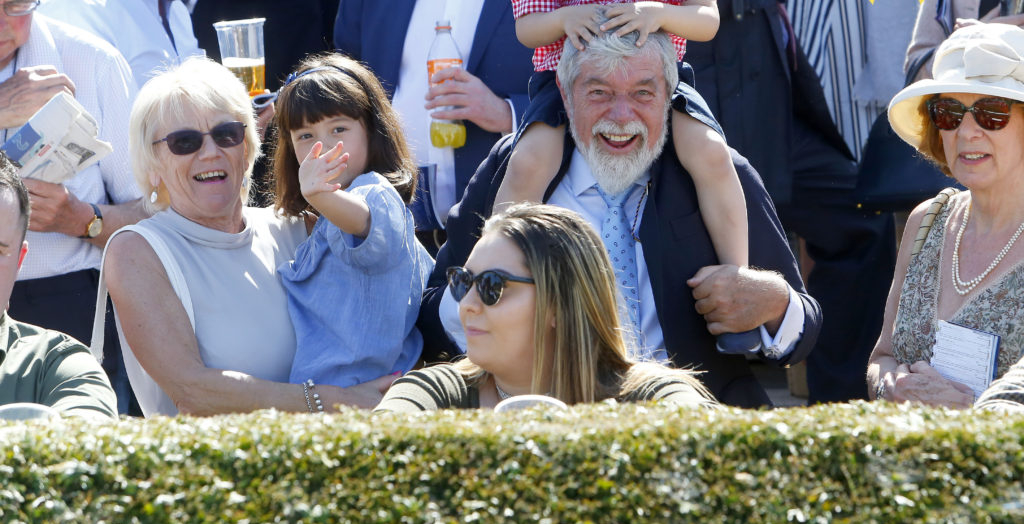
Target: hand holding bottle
(444, 54)
(462, 96)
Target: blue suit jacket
(373, 31)
(675, 243)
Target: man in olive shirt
(39, 365)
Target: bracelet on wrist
(305, 391)
(308, 387)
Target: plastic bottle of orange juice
(444, 53)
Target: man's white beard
(615, 173)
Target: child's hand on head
(317, 171)
(643, 17)
(580, 23)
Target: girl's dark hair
(340, 86)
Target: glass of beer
(241, 51)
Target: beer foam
(237, 61)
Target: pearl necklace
(962, 287)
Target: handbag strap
(916, 66)
(944, 16)
(929, 217)
(173, 274)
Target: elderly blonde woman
(537, 302)
(202, 313)
(968, 272)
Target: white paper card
(965, 355)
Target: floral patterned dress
(997, 308)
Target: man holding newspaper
(84, 201)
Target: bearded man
(618, 174)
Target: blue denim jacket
(353, 301)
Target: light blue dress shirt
(353, 301)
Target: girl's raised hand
(580, 23)
(317, 171)
(642, 17)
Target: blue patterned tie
(617, 235)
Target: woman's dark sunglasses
(990, 113)
(188, 141)
(489, 284)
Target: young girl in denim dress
(355, 284)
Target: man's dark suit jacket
(373, 31)
(748, 78)
(675, 243)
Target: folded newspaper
(57, 142)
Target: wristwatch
(95, 226)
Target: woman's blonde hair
(575, 286)
(198, 84)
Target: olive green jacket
(50, 368)
(443, 387)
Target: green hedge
(844, 463)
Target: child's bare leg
(704, 154)
(532, 166)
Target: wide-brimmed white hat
(984, 59)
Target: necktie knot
(615, 201)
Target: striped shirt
(857, 49)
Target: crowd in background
(306, 274)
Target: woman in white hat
(967, 281)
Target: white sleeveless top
(239, 307)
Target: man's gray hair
(608, 52)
